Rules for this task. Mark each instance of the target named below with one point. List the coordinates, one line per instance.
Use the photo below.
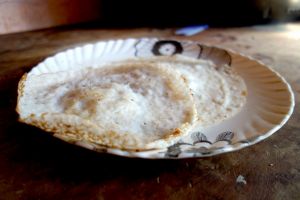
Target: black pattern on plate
(167, 48)
(197, 137)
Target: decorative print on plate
(167, 48)
(200, 144)
(155, 47)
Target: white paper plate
(270, 100)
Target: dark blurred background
(188, 12)
(24, 15)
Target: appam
(219, 92)
(121, 105)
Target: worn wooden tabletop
(33, 165)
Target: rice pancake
(134, 106)
(219, 92)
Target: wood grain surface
(34, 165)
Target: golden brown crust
(87, 131)
(84, 130)
(21, 86)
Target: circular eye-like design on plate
(167, 48)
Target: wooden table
(33, 165)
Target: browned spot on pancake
(244, 93)
(176, 132)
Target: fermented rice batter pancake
(122, 105)
(219, 92)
